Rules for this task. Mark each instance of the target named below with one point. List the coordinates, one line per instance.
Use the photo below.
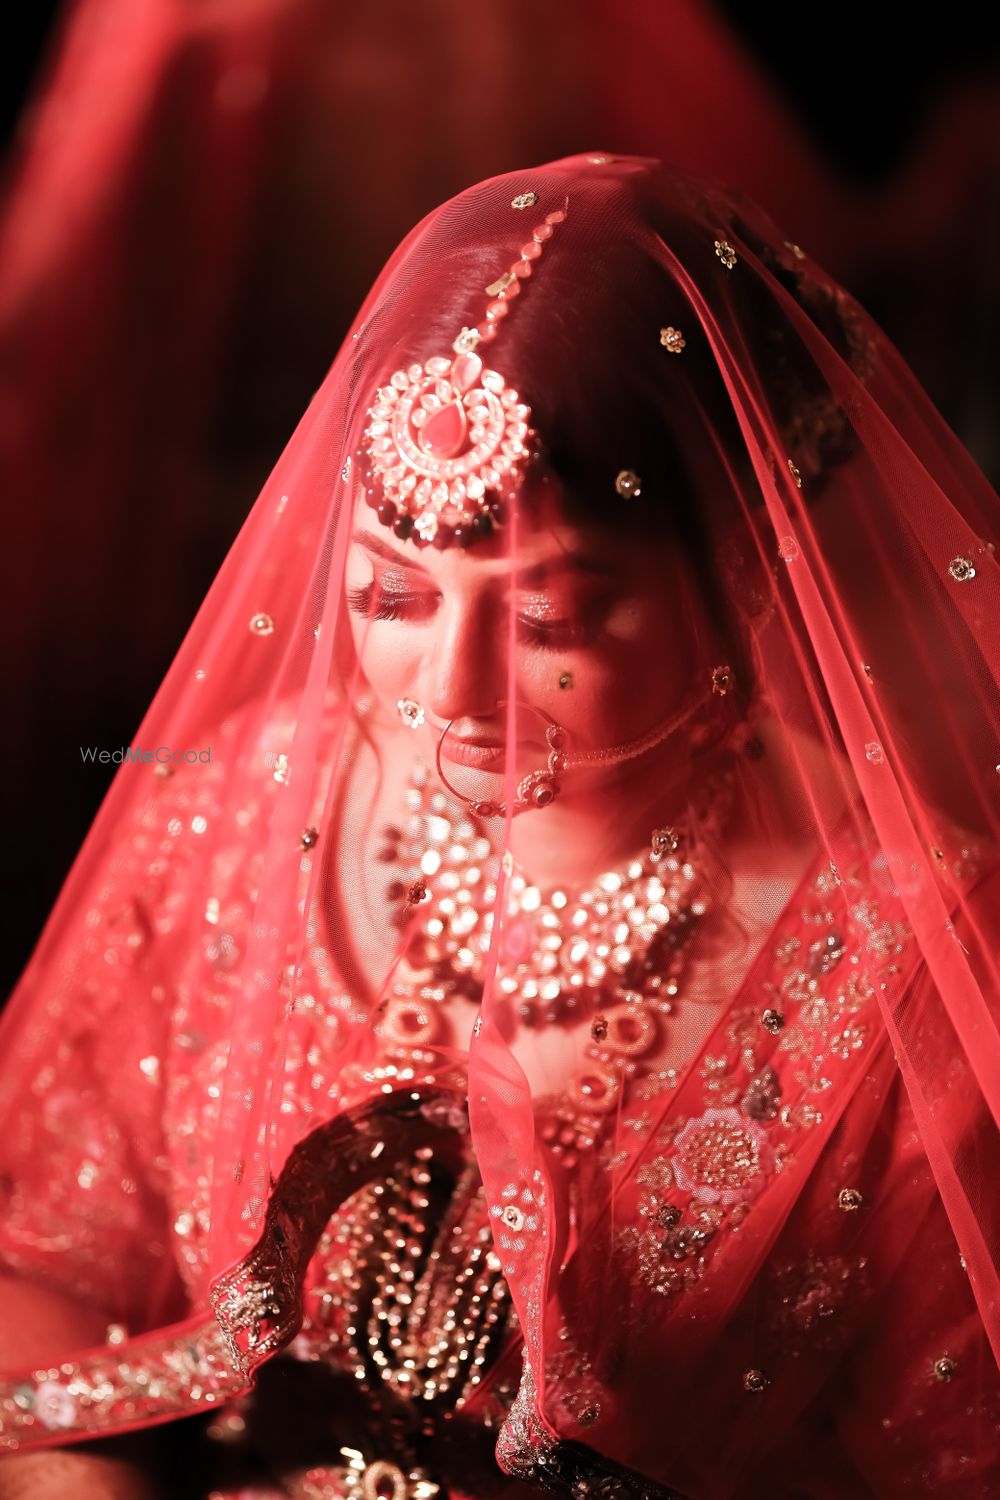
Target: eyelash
(392, 606)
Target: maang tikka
(449, 440)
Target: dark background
(860, 77)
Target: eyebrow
(564, 562)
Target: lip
(484, 755)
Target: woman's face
(593, 630)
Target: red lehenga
(565, 1188)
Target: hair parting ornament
(449, 441)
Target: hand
(58, 1473)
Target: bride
(550, 1041)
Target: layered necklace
(612, 953)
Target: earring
(410, 712)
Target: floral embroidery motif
(55, 1404)
(761, 1087)
(763, 1095)
(722, 1157)
(520, 1216)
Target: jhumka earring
(448, 440)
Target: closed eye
(387, 604)
(392, 604)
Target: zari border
(257, 1304)
(527, 1450)
(115, 1389)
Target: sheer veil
(768, 701)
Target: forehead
(542, 539)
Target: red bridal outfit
(611, 1108)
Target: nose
(463, 673)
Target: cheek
(617, 689)
(389, 655)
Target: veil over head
(699, 951)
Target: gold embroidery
(706, 1169)
(188, 1367)
(258, 1304)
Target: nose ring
(537, 789)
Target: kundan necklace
(612, 953)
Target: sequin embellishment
(628, 485)
(721, 1157)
